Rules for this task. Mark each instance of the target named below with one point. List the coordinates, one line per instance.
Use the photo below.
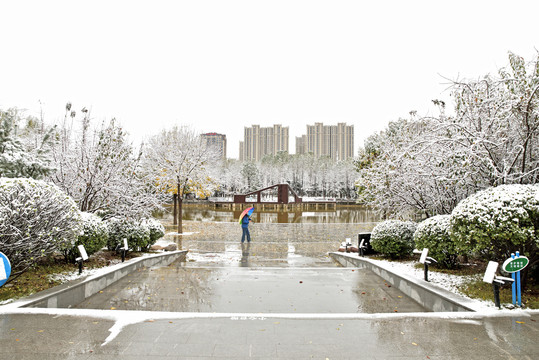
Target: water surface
(343, 214)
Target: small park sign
(512, 265)
(5, 269)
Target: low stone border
(74, 292)
(428, 295)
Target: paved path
(219, 316)
(182, 287)
(424, 336)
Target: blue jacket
(245, 221)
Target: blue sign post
(5, 269)
(513, 266)
(514, 284)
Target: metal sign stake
(513, 285)
(514, 265)
(518, 284)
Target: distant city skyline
(333, 140)
(261, 141)
(320, 139)
(218, 66)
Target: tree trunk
(174, 216)
(180, 200)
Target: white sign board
(348, 241)
(3, 275)
(490, 273)
(125, 244)
(361, 244)
(424, 254)
(83, 253)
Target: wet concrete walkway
(422, 336)
(282, 298)
(189, 288)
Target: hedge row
(37, 219)
(490, 224)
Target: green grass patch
(32, 281)
(38, 278)
(477, 289)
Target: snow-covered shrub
(434, 234)
(497, 221)
(393, 238)
(93, 236)
(157, 230)
(36, 219)
(136, 233)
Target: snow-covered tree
(20, 158)
(393, 238)
(137, 234)
(498, 123)
(307, 175)
(180, 161)
(36, 219)
(100, 170)
(497, 221)
(429, 164)
(399, 174)
(251, 174)
(93, 236)
(435, 234)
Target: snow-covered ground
(445, 281)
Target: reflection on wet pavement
(285, 269)
(188, 288)
(271, 245)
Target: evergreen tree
(18, 159)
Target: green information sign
(515, 264)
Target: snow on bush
(393, 238)
(497, 221)
(93, 235)
(136, 233)
(36, 219)
(157, 230)
(434, 234)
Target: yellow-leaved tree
(182, 163)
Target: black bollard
(426, 271)
(80, 267)
(496, 288)
(123, 255)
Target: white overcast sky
(221, 65)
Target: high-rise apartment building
(301, 144)
(217, 140)
(335, 141)
(260, 141)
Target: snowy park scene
(269, 180)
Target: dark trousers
(245, 233)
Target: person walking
(245, 227)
